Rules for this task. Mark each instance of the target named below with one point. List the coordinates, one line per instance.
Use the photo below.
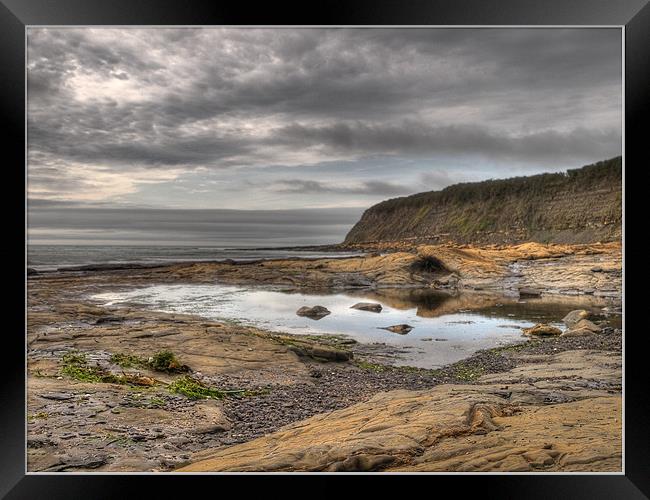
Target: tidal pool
(446, 328)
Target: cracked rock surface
(563, 414)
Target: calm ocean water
(52, 257)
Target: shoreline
(145, 427)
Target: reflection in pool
(446, 328)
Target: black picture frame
(15, 15)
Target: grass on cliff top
(602, 173)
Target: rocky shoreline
(96, 402)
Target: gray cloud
(418, 138)
(365, 188)
(113, 110)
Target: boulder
(577, 332)
(573, 317)
(316, 312)
(321, 353)
(542, 330)
(367, 306)
(330, 354)
(588, 325)
(401, 329)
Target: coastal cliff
(583, 205)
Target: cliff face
(581, 206)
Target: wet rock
(57, 396)
(588, 325)
(178, 440)
(362, 463)
(573, 317)
(316, 312)
(83, 462)
(321, 353)
(367, 306)
(39, 442)
(529, 292)
(212, 429)
(542, 330)
(108, 319)
(356, 280)
(402, 329)
(448, 281)
(577, 332)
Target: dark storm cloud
(419, 138)
(188, 98)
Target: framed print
(371, 240)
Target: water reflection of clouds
(433, 315)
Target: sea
(61, 257)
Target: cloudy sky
(135, 135)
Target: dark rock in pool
(367, 306)
(529, 292)
(316, 312)
(401, 329)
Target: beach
(279, 401)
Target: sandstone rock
(316, 312)
(356, 280)
(402, 329)
(321, 352)
(212, 429)
(577, 332)
(542, 330)
(588, 325)
(367, 306)
(57, 396)
(330, 354)
(455, 428)
(573, 317)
